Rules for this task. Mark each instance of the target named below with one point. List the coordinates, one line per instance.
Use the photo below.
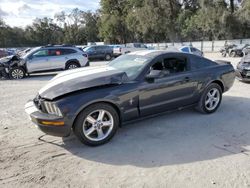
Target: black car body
(99, 52)
(243, 69)
(164, 81)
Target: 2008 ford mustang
(95, 101)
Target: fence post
(212, 45)
(202, 45)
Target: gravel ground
(182, 149)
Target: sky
(21, 13)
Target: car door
(92, 52)
(57, 58)
(39, 61)
(176, 89)
(100, 51)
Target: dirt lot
(182, 149)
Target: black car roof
(155, 53)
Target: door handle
(186, 79)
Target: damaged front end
(243, 69)
(7, 64)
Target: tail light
(85, 55)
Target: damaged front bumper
(243, 75)
(48, 123)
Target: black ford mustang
(95, 101)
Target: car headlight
(51, 108)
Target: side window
(185, 49)
(55, 52)
(98, 48)
(158, 65)
(199, 62)
(194, 50)
(175, 64)
(67, 51)
(136, 45)
(171, 65)
(41, 53)
(129, 45)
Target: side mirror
(154, 74)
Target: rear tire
(72, 65)
(96, 124)
(210, 99)
(17, 73)
(108, 57)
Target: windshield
(132, 65)
(88, 48)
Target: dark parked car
(237, 50)
(226, 49)
(243, 69)
(99, 52)
(246, 50)
(95, 101)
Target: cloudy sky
(23, 12)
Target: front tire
(210, 99)
(108, 57)
(17, 73)
(96, 124)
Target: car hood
(6, 59)
(81, 78)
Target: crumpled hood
(81, 78)
(6, 59)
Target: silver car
(49, 58)
(191, 50)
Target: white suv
(49, 58)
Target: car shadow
(175, 138)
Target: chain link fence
(205, 46)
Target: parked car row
(233, 50)
(43, 59)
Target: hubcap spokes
(17, 74)
(72, 66)
(98, 125)
(212, 99)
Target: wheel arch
(72, 61)
(220, 83)
(115, 106)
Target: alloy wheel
(72, 66)
(212, 99)
(17, 74)
(98, 125)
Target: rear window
(200, 62)
(185, 49)
(68, 51)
